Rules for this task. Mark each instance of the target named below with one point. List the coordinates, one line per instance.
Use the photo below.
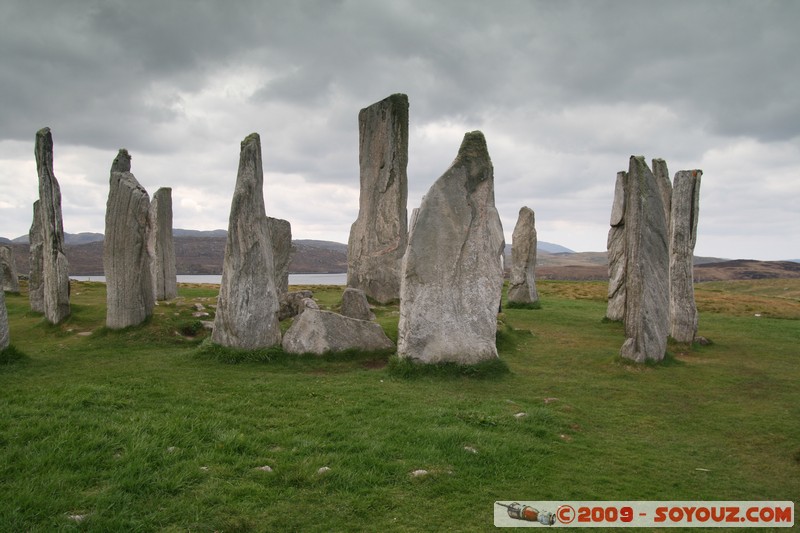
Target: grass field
(145, 429)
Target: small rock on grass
(264, 468)
(323, 470)
(419, 473)
(520, 415)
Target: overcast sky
(565, 92)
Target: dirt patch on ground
(375, 364)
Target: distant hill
(202, 252)
(199, 233)
(542, 246)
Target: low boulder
(355, 304)
(293, 303)
(321, 332)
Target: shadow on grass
(519, 305)
(12, 355)
(669, 361)
(407, 369)
(275, 355)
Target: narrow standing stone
(161, 247)
(126, 260)
(247, 309)
(4, 336)
(36, 256)
(378, 237)
(280, 234)
(683, 236)
(55, 271)
(647, 267)
(8, 270)
(522, 282)
(664, 184)
(452, 275)
(616, 251)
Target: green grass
(150, 429)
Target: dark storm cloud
(564, 90)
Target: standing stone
(616, 251)
(280, 233)
(378, 236)
(452, 276)
(4, 336)
(247, 309)
(522, 282)
(683, 236)
(55, 271)
(664, 187)
(8, 270)
(647, 266)
(126, 260)
(161, 247)
(355, 304)
(36, 257)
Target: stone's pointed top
(474, 144)
(474, 155)
(526, 210)
(252, 138)
(122, 163)
(43, 151)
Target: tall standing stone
(36, 258)
(8, 270)
(4, 335)
(522, 282)
(126, 260)
(247, 309)
(616, 251)
(664, 184)
(280, 233)
(55, 271)
(647, 266)
(161, 247)
(683, 236)
(378, 237)
(452, 276)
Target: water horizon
(339, 278)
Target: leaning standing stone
(55, 271)
(161, 246)
(126, 260)
(280, 234)
(36, 257)
(378, 236)
(247, 309)
(522, 282)
(452, 275)
(616, 251)
(683, 235)
(9, 270)
(647, 271)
